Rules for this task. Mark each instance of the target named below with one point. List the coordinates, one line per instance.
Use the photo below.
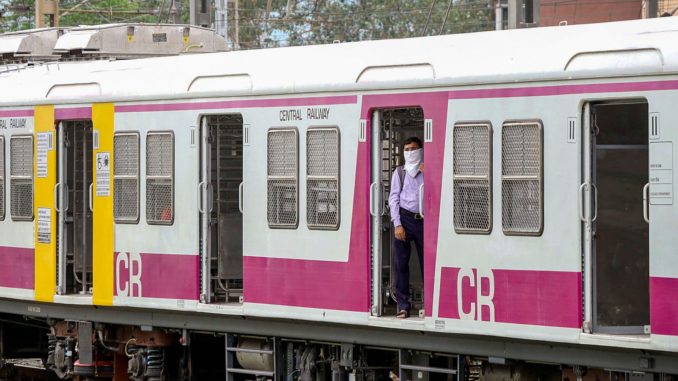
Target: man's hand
(421, 167)
(400, 233)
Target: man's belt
(416, 216)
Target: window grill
(322, 178)
(2, 178)
(21, 177)
(126, 178)
(472, 163)
(283, 182)
(160, 178)
(522, 178)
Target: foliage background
(272, 23)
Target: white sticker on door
(103, 174)
(44, 225)
(661, 173)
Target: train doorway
(75, 175)
(221, 207)
(390, 128)
(616, 232)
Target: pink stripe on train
(167, 276)
(664, 305)
(279, 102)
(16, 113)
(546, 298)
(17, 270)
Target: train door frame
(206, 205)
(63, 205)
(591, 223)
(377, 202)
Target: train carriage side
(556, 214)
(17, 243)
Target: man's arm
(394, 199)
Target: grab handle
(595, 200)
(200, 208)
(240, 197)
(646, 200)
(57, 199)
(421, 200)
(582, 187)
(373, 186)
(91, 209)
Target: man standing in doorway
(407, 219)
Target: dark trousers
(414, 231)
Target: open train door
(222, 140)
(615, 216)
(388, 120)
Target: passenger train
(224, 216)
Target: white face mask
(413, 160)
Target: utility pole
(49, 9)
(199, 13)
(236, 34)
(652, 8)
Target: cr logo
(128, 274)
(475, 290)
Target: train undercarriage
(85, 351)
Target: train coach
(225, 215)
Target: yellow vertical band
(45, 250)
(102, 224)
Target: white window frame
(19, 177)
(135, 219)
(459, 178)
(150, 221)
(271, 178)
(538, 177)
(336, 178)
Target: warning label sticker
(44, 144)
(44, 225)
(103, 174)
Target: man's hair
(413, 139)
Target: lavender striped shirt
(408, 198)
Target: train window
(160, 178)
(126, 177)
(472, 163)
(282, 177)
(21, 177)
(2, 178)
(522, 178)
(322, 178)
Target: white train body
(496, 280)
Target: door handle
(421, 200)
(57, 201)
(210, 197)
(91, 209)
(66, 201)
(646, 201)
(373, 186)
(582, 187)
(594, 188)
(240, 200)
(200, 208)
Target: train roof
(521, 55)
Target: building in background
(510, 14)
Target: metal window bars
(160, 178)
(472, 178)
(522, 178)
(126, 177)
(282, 177)
(322, 178)
(21, 177)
